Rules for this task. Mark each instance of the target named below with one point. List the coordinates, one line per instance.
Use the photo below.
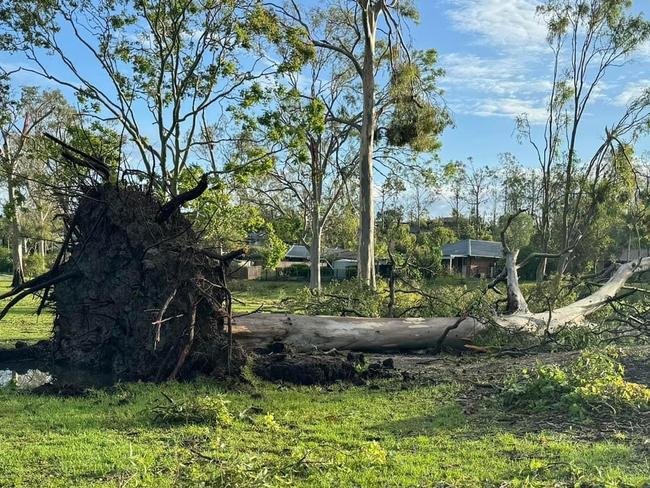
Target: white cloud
(511, 108)
(508, 24)
(630, 92)
(500, 86)
(503, 76)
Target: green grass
(269, 295)
(22, 323)
(301, 437)
(381, 435)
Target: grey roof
(339, 253)
(473, 247)
(298, 252)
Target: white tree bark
(366, 265)
(304, 333)
(516, 301)
(16, 237)
(577, 312)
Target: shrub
(351, 298)
(36, 264)
(205, 409)
(593, 382)
(6, 263)
(297, 271)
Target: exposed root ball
(146, 300)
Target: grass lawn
(388, 433)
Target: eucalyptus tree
(587, 39)
(478, 182)
(22, 119)
(163, 70)
(317, 161)
(396, 84)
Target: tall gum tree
(370, 35)
(22, 119)
(312, 173)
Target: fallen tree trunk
(304, 333)
(307, 333)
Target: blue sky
(498, 66)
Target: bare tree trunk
(17, 257)
(516, 301)
(315, 251)
(541, 270)
(366, 265)
(16, 238)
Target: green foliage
(558, 291)
(206, 409)
(520, 231)
(274, 249)
(6, 261)
(36, 264)
(351, 298)
(298, 270)
(591, 384)
(416, 120)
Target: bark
(315, 252)
(541, 270)
(577, 312)
(516, 301)
(16, 238)
(366, 267)
(305, 333)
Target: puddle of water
(33, 378)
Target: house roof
(339, 253)
(474, 248)
(298, 252)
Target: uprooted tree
(136, 293)
(134, 290)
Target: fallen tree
(136, 293)
(308, 333)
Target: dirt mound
(307, 369)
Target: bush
(297, 271)
(206, 409)
(6, 263)
(593, 382)
(351, 298)
(36, 264)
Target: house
(472, 258)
